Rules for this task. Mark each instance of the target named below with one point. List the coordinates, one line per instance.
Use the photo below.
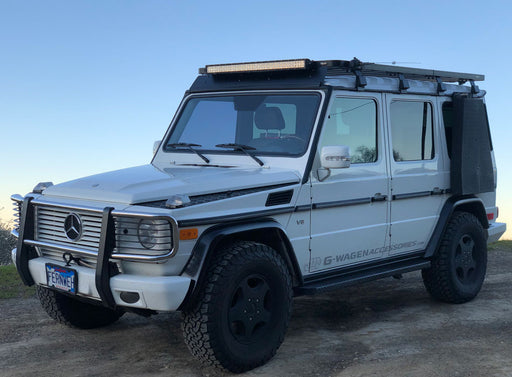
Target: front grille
(138, 236)
(50, 228)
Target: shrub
(7, 243)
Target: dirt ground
(384, 328)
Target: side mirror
(156, 144)
(335, 157)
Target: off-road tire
(241, 314)
(458, 267)
(74, 313)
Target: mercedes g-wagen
(274, 179)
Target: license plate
(61, 278)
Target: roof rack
(311, 73)
(358, 67)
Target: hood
(147, 183)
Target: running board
(347, 278)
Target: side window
(352, 122)
(412, 131)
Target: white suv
(274, 179)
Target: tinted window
(412, 131)
(352, 122)
(202, 127)
(271, 124)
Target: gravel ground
(384, 328)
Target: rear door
(418, 178)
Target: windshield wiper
(243, 148)
(189, 147)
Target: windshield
(265, 124)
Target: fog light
(130, 297)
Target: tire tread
(73, 313)
(437, 278)
(197, 321)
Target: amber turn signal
(188, 234)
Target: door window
(412, 131)
(352, 122)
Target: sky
(88, 86)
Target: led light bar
(276, 65)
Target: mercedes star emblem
(73, 227)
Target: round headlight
(146, 233)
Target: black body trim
(208, 241)
(235, 217)
(339, 278)
(410, 195)
(277, 211)
(332, 273)
(446, 212)
(106, 246)
(301, 208)
(26, 231)
(342, 203)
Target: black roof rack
(341, 67)
(338, 67)
(306, 73)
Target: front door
(350, 206)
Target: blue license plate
(61, 278)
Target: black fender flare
(195, 269)
(467, 203)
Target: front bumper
(161, 293)
(495, 231)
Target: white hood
(146, 183)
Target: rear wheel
(459, 265)
(241, 315)
(74, 313)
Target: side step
(355, 276)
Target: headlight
(147, 233)
(143, 236)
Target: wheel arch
(465, 203)
(268, 232)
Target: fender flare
(469, 203)
(195, 269)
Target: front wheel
(459, 265)
(242, 312)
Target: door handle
(378, 197)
